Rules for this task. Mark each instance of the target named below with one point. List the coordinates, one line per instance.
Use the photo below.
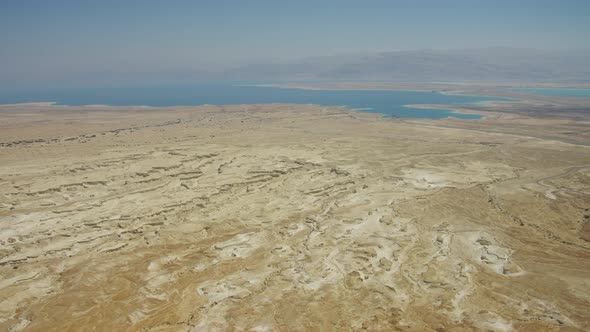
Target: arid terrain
(293, 218)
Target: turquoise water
(557, 92)
(388, 103)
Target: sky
(69, 41)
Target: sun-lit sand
(290, 218)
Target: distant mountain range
(489, 64)
(480, 65)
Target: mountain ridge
(490, 64)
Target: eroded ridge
(283, 217)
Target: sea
(387, 103)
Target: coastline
(454, 109)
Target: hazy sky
(59, 39)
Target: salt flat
(290, 217)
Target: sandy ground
(290, 218)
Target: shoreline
(403, 86)
(490, 90)
(381, 110)
(464, 93)
(357, 110)
(459, 110)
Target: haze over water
(388, 103)
(560, 92)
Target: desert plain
(294, 218)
